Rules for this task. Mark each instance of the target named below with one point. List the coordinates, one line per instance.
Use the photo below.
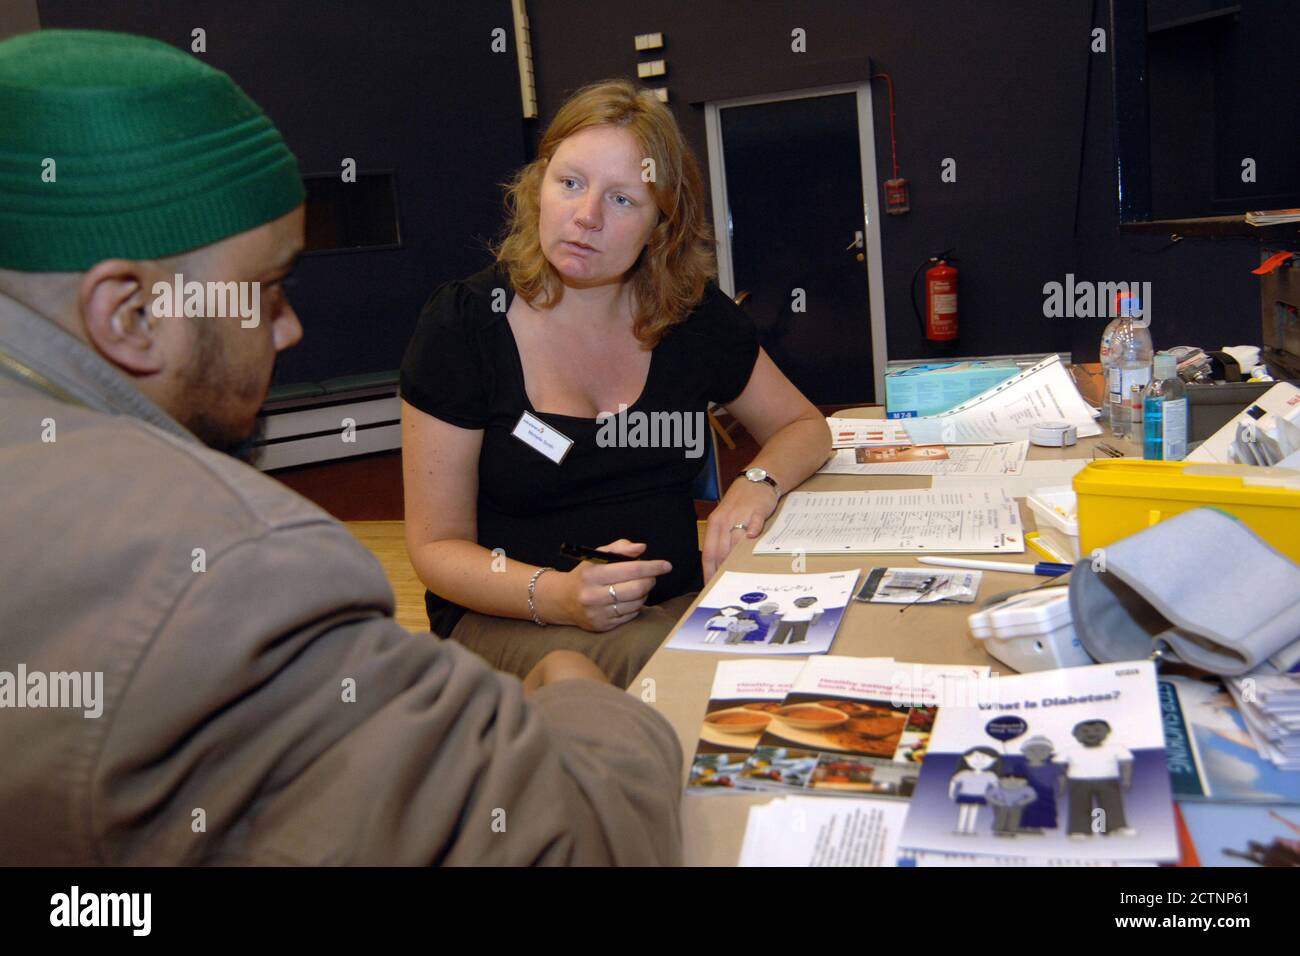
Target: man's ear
(115, 308)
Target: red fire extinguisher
(940, 321)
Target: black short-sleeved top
(463, 367)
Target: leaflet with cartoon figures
(854, 726)
(762, 614)
(1060, 764)
(744, 696)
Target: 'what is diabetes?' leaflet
(1067, 763)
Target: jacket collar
(48, 350)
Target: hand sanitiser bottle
(1164, 412)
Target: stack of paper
(1271, 217)
(1270, 704)
(1042, 393)
(806, 831)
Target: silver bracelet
(532, 594)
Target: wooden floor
(387, 542)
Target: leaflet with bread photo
(745, 694)
(856, 726)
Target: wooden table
(714, 824)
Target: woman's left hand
(747, 503)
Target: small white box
(1033, 631)
(1056, 512)
(651, 68)
(661, 94)
(649, 41)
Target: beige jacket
(266, 709)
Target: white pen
(1044, 568)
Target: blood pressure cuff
(1201, 584)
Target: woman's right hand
(584, 596)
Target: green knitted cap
(118, 146)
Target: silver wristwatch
(761, 475)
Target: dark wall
(405, 85)
(1210, 107)
(1009, 89)
(1201, 288)
(998, 86)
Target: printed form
(976, 521)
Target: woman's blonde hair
(678, 259)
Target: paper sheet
(982, 460)
(977, 521)
(823, 831)
(1034, 475)
(865, 433)
(1042, 393)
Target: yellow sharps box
(1122, 496)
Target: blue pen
(1049, 569)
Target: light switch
(652, 68)
(649, 41)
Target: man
(1096, 773)
(196, 665)
(793, 628)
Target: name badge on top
(538, 435)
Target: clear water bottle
(1130, 348)
(1164, 413)
(1107, 360)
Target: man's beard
(249, 451)
(214, 391)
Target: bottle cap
(1165, 365)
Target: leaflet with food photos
(745, 694)
(854, 726)
(1061, 764)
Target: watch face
(755, 474)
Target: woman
(599, 303)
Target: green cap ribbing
(154, 152)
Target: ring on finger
(740, 527)
(613, 596)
